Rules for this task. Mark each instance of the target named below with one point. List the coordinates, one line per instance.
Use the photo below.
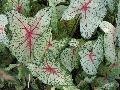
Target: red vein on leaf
(51, 70)
(91, 57)
(19, 6)
(29, 36)
(85, 7)
(49, 45)
(38, 21)
(1, 29)
(73, 53)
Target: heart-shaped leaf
(50, 72)
(26, 31)
(22, 6)
(92, 12)
(91, 56)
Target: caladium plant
(22, 6)
(25, 32)
(69, 57)
(3, 37)
(50, 72)
(109, 41)
(91, 56)
(59, 59)
(47, 44)
(118, 25)
(92, 12)
(54, 21)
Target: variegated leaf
(109, 48)
(118, 25)
(109, 39)
(50, 72)
(69, 58)
(108, 28)
(48, 45)
(110, 4)
(92, 11)
(3, 36)
(22, 6)
(91, 56)
(26, 31)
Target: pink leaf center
(86, 7)
(51, 70)
(49, 45)
(1, 29)
(91, 57)
(19, 8)
(31, 35)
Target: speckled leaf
(43, 45)
(108, 28)
(109, 48)
(92, 56)
(58, 45)
(109, 39)
(22, 6)
(25, 32)
(110, 4)
(92, 12)
(118, 25)
(50, 72)
(3, 36)
(69, 58)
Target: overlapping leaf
(54, 21)
(92, 11)
(22, 6)
(50, 72)
(109, 39)
(91, 56)
(48, 45)
(69, 58)
(25, 32)
(3, 22)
